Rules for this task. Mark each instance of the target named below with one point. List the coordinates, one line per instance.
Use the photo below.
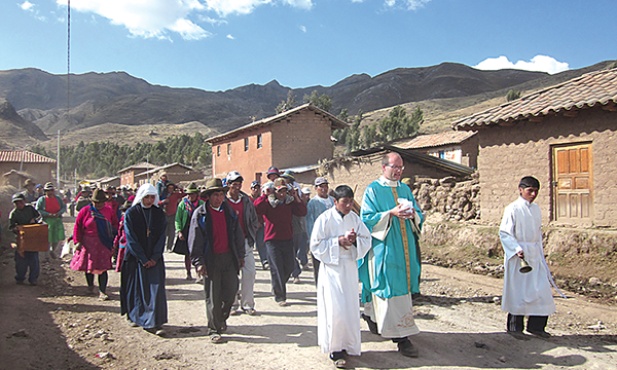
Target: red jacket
(278, 220)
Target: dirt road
(56, 325)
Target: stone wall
(455, 200)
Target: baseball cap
(321, 181)
(234, 176)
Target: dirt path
(56, 325)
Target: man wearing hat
(216, 246)
(161, 186)
(259, 235)
(24, 214)
(278, 209)
(30, 193)
(315, 207)
(185, 211)
(273, 173)
(51, 207)
(525, 294)
(249, 223)
(83, 198)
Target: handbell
(525, 268)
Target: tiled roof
(14, 156)
(579, 93)
(138, 166)
(430, 141)
(336, 122)
(160, 168)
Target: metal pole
(58, 163)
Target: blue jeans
(29, 260)
(301, 253)
(261, 245)
(281, 260)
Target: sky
(223, 44)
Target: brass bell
(525, 268)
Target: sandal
(340, 363)
(216, 338)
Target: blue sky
(222, 44)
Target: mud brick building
(37, 167)
(564, 135)
(457, 146)
(294, 138)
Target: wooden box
(33, 238)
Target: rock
(497, 300)
(599, 326)
(105, 355)
(594, 281)
(502, 359)
(19, 334)
(479, 345)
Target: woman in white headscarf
(142, 288)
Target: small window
(218, 151)
(246, 144)
(259, 143)
(228, 149)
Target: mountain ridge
(119, 98)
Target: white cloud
(242, 7)
(231, 37)
(302, 4)
(27, 6)
(31, 8)
(539, 63)
(302, 28)
(409, 4)
(148, 19)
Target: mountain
(119, 98)
(14, 128)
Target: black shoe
(407, 349)
(541, 334)
(372, 325)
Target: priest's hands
(520, 254)
(402, 211)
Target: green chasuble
(390, 260)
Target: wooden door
(573, 190)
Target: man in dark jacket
(216, 245)
(247, 217)
(24, 214)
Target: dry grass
(126, 134)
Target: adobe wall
(509, 153)
(40, 172)
(302, 139)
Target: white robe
(525, 294)
(338, 307)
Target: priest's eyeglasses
(395, 167)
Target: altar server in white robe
(339, 238)
(525, 294)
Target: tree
(322, 101)
(287, 104)
(399, 125)
(353, 135)
(344, 115)
(369, 136)
(513, 95)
